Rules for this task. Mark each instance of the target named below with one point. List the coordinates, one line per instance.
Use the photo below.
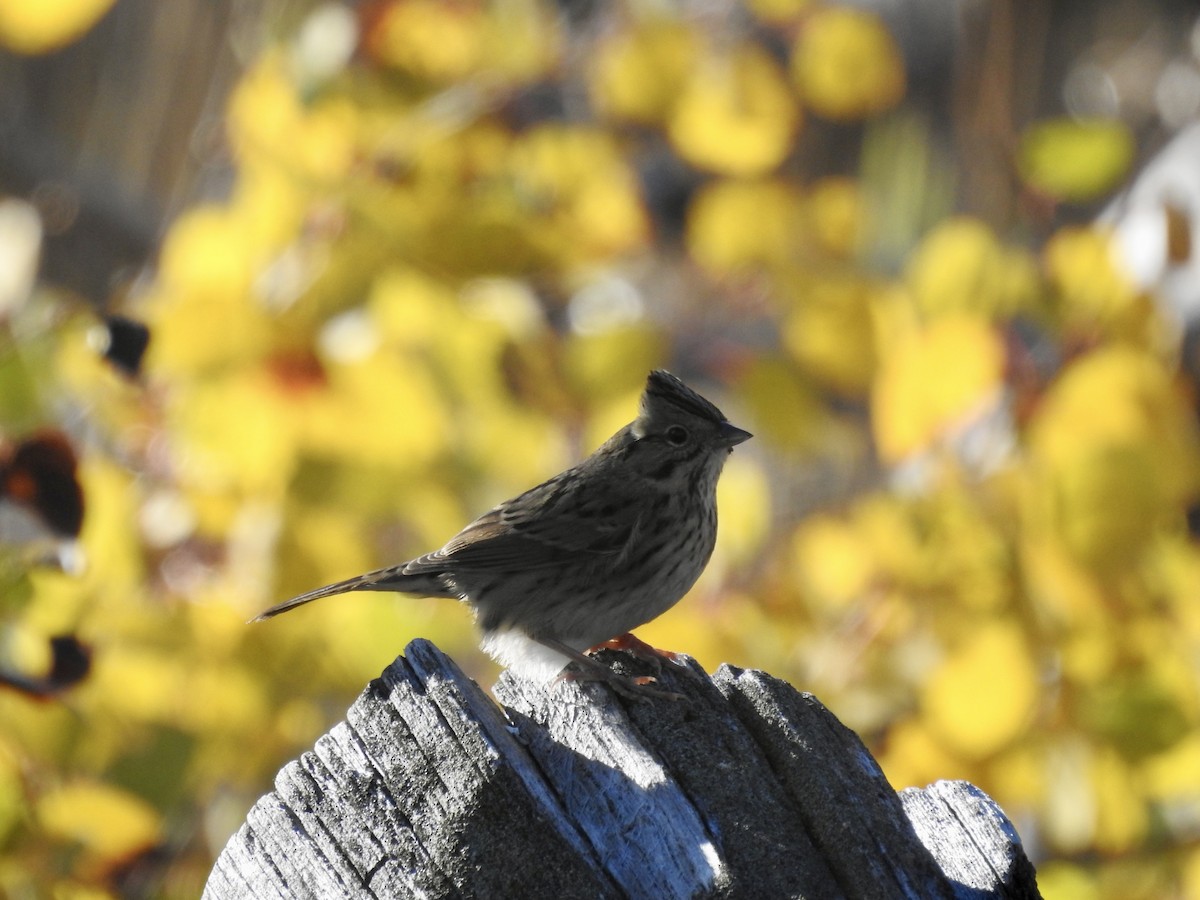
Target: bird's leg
(637, 688)
(631, 643)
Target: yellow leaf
(586, 197)
(639, 75)
(1068, 881)
(1072, 601)
(355, 420)
(883, 521)
(960, 266)
(109, 822)
(139, 683)
(223, 698)
(1117, 451)
(1075, 160)
(411, 309)
(1019, 775)
(235, 433)
(833, 562)
(520, 41)
(515, 445)
(1191, 875)
(612, 365)
(264, 112)
(967, 552)
(1106, 503)
(1121, 814)
(846, 64)
(1140, 406)
(278, 136)
(737, 226)
(779, 12)
(735, 115)
(1139, 712)
(1177, 561)
(830, 332)
(913, 757)
(782, 407)
(115, 556)
(744, 504)
(933, 381)
(321, 545)
(46, 25)
(432, 40)
(836, 212)
(206, 254)
(203, 315)
(984, 695)
(13, 807)
(323, 149)
(1091, 288)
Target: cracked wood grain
(745, 788)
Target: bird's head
(678, 432)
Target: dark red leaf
(40, 473)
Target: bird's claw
(639, 649)
(638, 687)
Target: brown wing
(552, 524)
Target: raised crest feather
(663, 386)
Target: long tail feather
(389, 579)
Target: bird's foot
(634, 645)
(583, 668)
(640, 687)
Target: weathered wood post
(745, 788)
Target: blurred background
(291, 290)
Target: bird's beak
(730, 435)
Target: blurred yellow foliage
(442, 43)
(107, 822)
(834, 564)
(932, 382)
(271, 126)
(639, 74)
(1109, 472)
(48, 24)
(1091, 291)
(1068, 881)
(411, 437)
(736, 227)
(915, 756)
(744, 500)
(431, 40)
(579, 178)
(232, 434)
(961, 267)
(788, 410)
(1075, 160)
(1121, 821)
(981, 698)
(846, 64)
(830, 332)
(735, 115)
(779, 11)
(837, 215)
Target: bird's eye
(677, 435)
